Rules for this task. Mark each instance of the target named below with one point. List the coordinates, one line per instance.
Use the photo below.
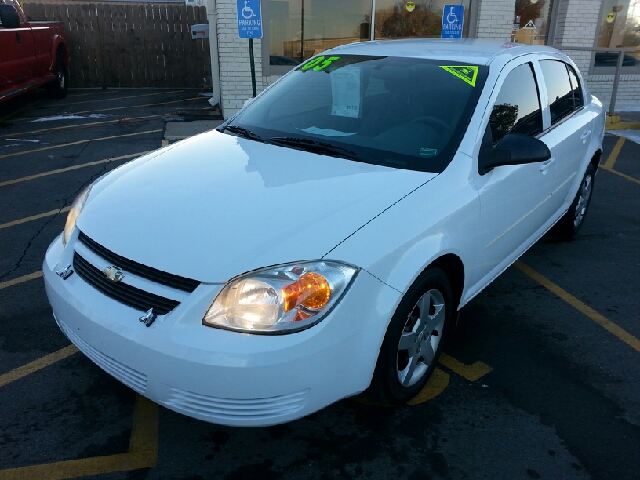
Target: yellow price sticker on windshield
(467, 74)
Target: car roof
(469, 50)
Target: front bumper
(221, 376)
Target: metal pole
(253, 67)
(372, 27)
(616, 81)
(302, 34)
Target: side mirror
(9, 16)
(512, 149)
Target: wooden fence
(131, 45)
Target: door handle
(585, 136)
(544, 168)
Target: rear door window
(560, 93)
(578, 98)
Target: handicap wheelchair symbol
(451, 17)
(247, 11)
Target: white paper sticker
(345, 87)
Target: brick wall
(495, 19)
(233, 57)
(628, 90)
(576, 26)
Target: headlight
(76, 208)
(282, 299)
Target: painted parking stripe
(74, 167)
(44, 131)
(469, 372)
(143, 453)
(34, 217)
(79, 142)
(607, 324)
(36, 365)
(620, 174)
(121, 98)
(128, 107)
(24, 278)
(613, 156)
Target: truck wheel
(58, 88)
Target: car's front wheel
(414, 339)
(569, 225)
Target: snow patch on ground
(633, 135)
(68, 117)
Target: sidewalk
(625, 124)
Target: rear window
(395, 111)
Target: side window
(577, 89)
(559, 90)
(517, 108)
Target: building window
(532, 21)
(619, 28)
(298, 29)
(419, 19)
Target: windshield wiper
(242, 132)
(314, 146)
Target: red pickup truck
(32, 54)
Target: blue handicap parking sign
(249, 19)
(452, 21)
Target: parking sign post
(250, 26)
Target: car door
(514, 199)
(568, 130)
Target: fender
(419, 236)
(58, 40)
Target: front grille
(123, 293)
(157, 276)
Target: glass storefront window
(418, 19)
(531, 23)
(619, 28)
(298, 29)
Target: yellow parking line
(128, 107)
(76, 125)
(74, 167)
(469, 372)
(34, 217)
(24, 278)
(613, 156)
(143, 453)
(622, 175)
(36, 365)
(121, 98)
(79, 142)
(80, 468)
(619, 332)
(144, 432)
(436, 384)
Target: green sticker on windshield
(319, 63)
(467, 74)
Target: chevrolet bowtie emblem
(113, 273)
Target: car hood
(215, 206)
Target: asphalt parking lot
(541, 381)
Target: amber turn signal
(311, 290)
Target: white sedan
(321, 242)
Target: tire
(414, 339)
(58, 88)
(571, 222)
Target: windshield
(395, 111)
